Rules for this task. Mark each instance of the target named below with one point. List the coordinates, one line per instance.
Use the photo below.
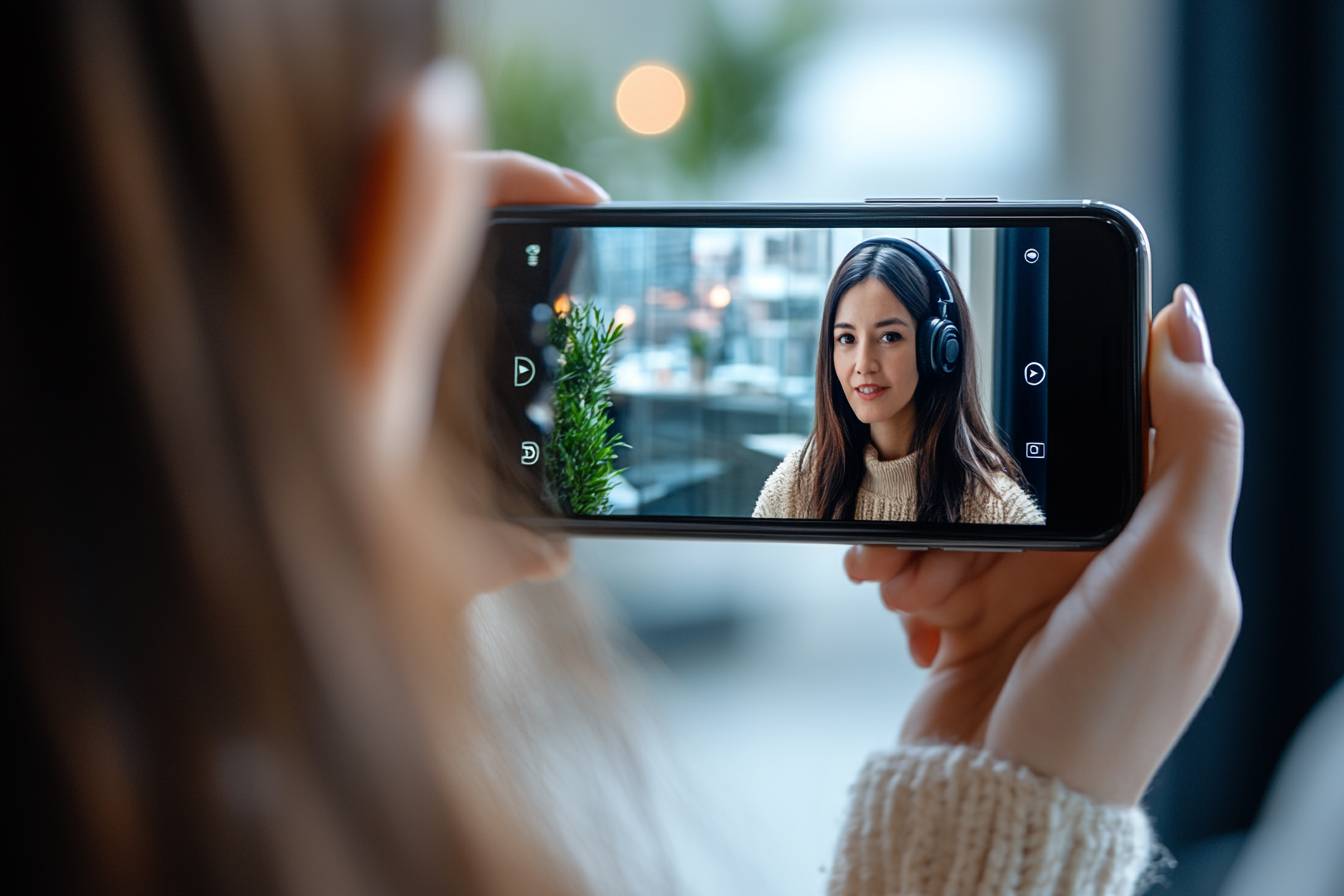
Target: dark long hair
(958, 450)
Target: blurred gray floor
(774, 678)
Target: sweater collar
(899, 477)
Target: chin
(868, 414)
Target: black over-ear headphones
(938, 339)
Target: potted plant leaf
(699, 346)
(581, 449)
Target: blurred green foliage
(737, 79)
(545, 104)
(554, 105)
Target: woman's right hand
(1087, 667)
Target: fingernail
(1190, 336)
(587, 183)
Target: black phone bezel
(1099, 287)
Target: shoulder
(1007, 502)
(779, 496)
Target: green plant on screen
(581, 450)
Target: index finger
(516, 178)
(876, 562)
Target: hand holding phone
(1087, 667)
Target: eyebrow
(840, 325)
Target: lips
(870, 391)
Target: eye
(891, 337)
(845, 338)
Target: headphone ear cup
(924, 348)
(939, 348)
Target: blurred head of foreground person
(243, 557)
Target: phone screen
(897, 377)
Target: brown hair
(958, 450)
(236, 676)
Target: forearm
(938, 819)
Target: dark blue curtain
(1260, 199)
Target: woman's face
(873, 351)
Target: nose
(866, 362)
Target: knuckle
(873, 561)
(506, 162)
(1218, 416)
(1208, 414)
(1227, 607)
(1197, 575)
(1226, 423)
(890, 594)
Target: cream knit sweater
(889, 491)
(953, 821)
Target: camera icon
(1036, 450)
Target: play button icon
(523, 370)
(1034, 373)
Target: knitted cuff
(933, 819)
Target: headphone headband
(938, 341)
(928, 265)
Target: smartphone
(960, 374)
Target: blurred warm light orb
(562, 304)
(650, 99)
(625, 316)
(720, 297)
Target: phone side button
(984, 550)
(914, 199)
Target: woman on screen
(899, 432)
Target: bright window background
(778, 676)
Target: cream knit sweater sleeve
(933, 819)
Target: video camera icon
(531, 451)
(523, 370)
(1036, 450)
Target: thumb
(1198, 444)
